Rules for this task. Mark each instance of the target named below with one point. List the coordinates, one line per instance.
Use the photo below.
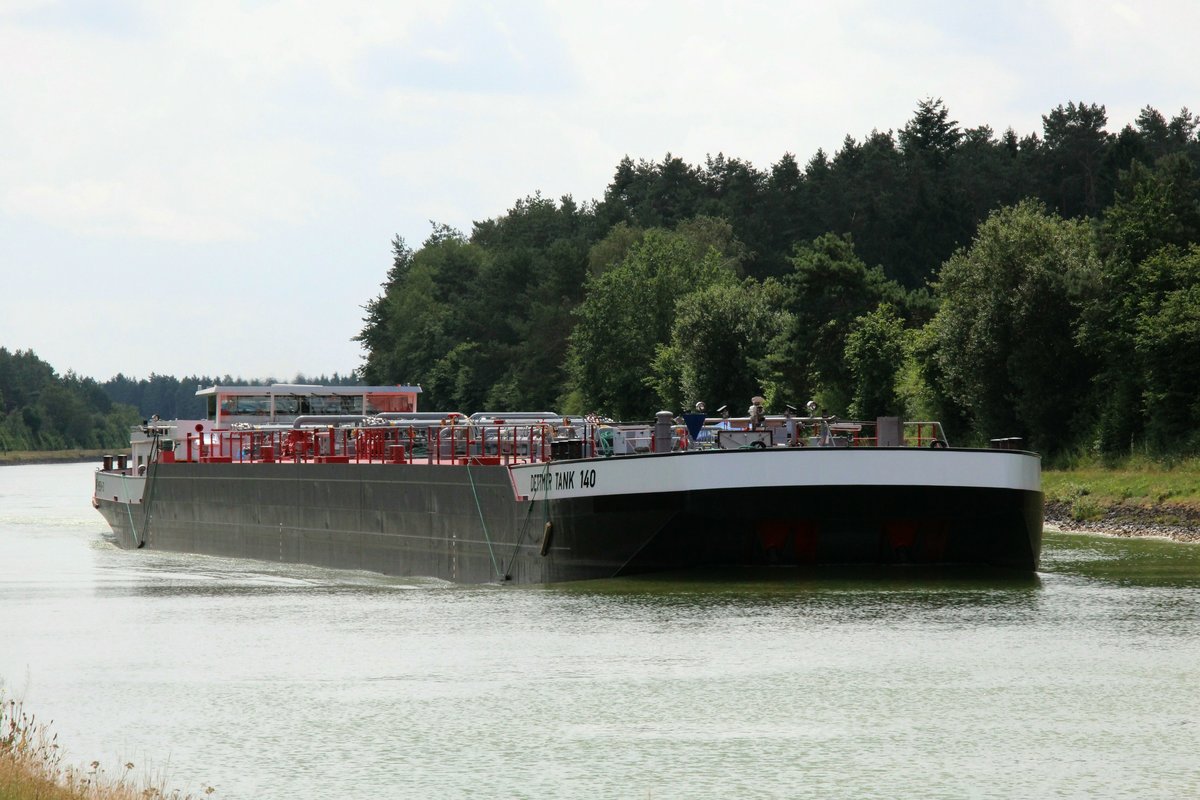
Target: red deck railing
(452, 444)
(476, 444)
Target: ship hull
(458, 523)
(478, 524)
(810, 526)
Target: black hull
(464, 524)
(816, 525)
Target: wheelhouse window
(378, 403)
(335, 404)
(288, 405)
(253, 405)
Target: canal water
(275, 681)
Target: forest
(41, 410)
(1045, 286)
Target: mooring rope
(482, 521)
(529, 514)
(148, 490)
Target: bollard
(662, 431)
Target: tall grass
(1133, 481)
(31, 767)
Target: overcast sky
(212, 187)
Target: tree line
(42, 410)
(175, 398)
(1045, 286)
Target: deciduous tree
(1004, 331)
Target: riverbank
(14, 457)
(1134, 499)
(1174, 522)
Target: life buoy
(938, 444)
(759, 445)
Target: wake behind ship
(357, 478)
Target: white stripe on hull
(778, 468)
(119, 487)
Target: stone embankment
(1179, 523)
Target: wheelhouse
(281, 403)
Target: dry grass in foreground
(31, 767)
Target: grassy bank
(53, 457)
(1137, 490)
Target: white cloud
(1126, 56)
(176, 134)
(273, 149)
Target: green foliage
(655, 195)
(453, 379)
(406, 328)
(1125, 488)
(1004, 332)
(630, 309)
(1153, 207)
(931, 135)
(828, 289)
(41, 411)
(1071, 158)
(875, 349)
(612, 249)
(483, 322)
(719, 339)
(1166, 345)
(917, 382)
(1154, 218)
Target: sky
(213, 188)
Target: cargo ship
(357, 478)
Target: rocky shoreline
(1179, 523)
